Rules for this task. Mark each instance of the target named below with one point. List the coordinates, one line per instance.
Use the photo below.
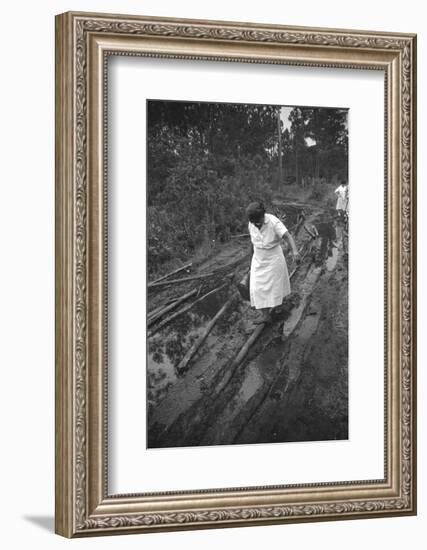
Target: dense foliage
(207, 161)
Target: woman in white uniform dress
(342, 200)
(269, 278)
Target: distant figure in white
(342, 200)
(269, 278)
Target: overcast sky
(284, 117)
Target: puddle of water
(251, 384)
(308, 327)
(210, 305)
(258, 371)
(168, 347)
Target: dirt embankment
(292, 385)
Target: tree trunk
(296, 165)
(317, 165)
(279, 148)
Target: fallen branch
(173, 305)
(152, 314)
(201, 275)
(249, 342)
(182, 268)
(194, 348)
(239, 358)
(183, 310)
(158, 308)
(294, 204)
(183, 280)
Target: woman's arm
(292, 244)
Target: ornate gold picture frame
(84, 506)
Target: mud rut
(291, 385)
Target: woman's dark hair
(255, 211)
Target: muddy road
(292, 382)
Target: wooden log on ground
(295, 204)
(152, 314)
(161, 306)
(183, 310)
(151, 320)
(186, 266)
(183, 280)
(194, 348)
(201, 275)
(240, 357)
(247, 345)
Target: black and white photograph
(247, 261)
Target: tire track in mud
(289, 360)
(296, 406)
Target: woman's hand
(296, 256)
